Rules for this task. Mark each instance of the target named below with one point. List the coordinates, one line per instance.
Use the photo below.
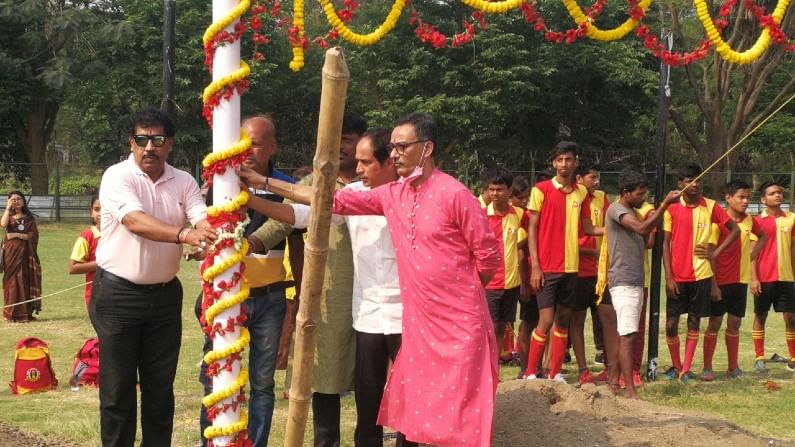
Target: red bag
(85, 370)
(32, 367)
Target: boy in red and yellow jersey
(774, 270)
(509, 224)
(557, 208)
(689, 279)
(733, 273)
(588, 176)
(84, 252)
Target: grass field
(65, 326)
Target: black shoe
(599, 358)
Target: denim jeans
(264, 318)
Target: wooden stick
(326, 164)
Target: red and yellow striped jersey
(559, 216)
(690, 226)
(598, 208)
(510, 229)
(775, 259)
(733, 265)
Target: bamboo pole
(326, 164)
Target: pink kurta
(442, 387)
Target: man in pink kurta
(442, 388)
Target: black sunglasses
(143, 140)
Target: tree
(718, 103)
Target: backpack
(85, 370)
(32, 367)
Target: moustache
(151, 155)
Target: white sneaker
(530, 377)
(559, 378)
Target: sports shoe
(567, 357)
(530, 377)
(707, 375)
(601, 377)
(585, 377)
(672, 373)
(736, 373)
(559, 378)
(636, 379)
(777, 358)
(791, 366)
(599, 358)
(759, 367)
(686, 377)
(521, 374)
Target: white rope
(47, 296)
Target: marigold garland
(221, 305)
(214, 270)
(498, 7)
(363, 39)
(616, 33)
(235, 347)
(234, 205)
(214, 432)
(230, 152)
(724, 50)
(296, 35)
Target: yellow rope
(726, 154)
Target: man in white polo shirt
(136, 302)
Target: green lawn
(64, 325)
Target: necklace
(21, 224)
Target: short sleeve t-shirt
(775, 258)
(625, 250)
(691, 226)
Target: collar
(95, 231)
(764, 214)
(701, 202)
(168, 170)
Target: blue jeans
(265, 315)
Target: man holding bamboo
(442, 388)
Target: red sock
(733, 348)
(640, 340)
(673, 348)
(560, 337)
(537, 343)
(710, 341)
(690, 350)
(790, 336)
(759, 343)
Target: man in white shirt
(377, 309)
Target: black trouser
(326, 419)
(373, 354)
(139, 330)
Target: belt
(104, 274)
(275, 287)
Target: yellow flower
(594, 32)
(723, 49)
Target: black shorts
(780, 294)
(559, 288)
(586, 293)
(528, 312)
(502, 304)
(693, 299)
(734, 298)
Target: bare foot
(631, 394)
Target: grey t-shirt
(625, 250)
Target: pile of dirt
(549, 414)
(11, 436)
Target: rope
(725, 154)
(47, 296)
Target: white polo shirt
(376, 290)
(172, 199)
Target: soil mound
(550, 414)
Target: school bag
(32, 367)
(85, 370)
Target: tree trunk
(36, 131)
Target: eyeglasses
(143, 140)
(400, 148)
